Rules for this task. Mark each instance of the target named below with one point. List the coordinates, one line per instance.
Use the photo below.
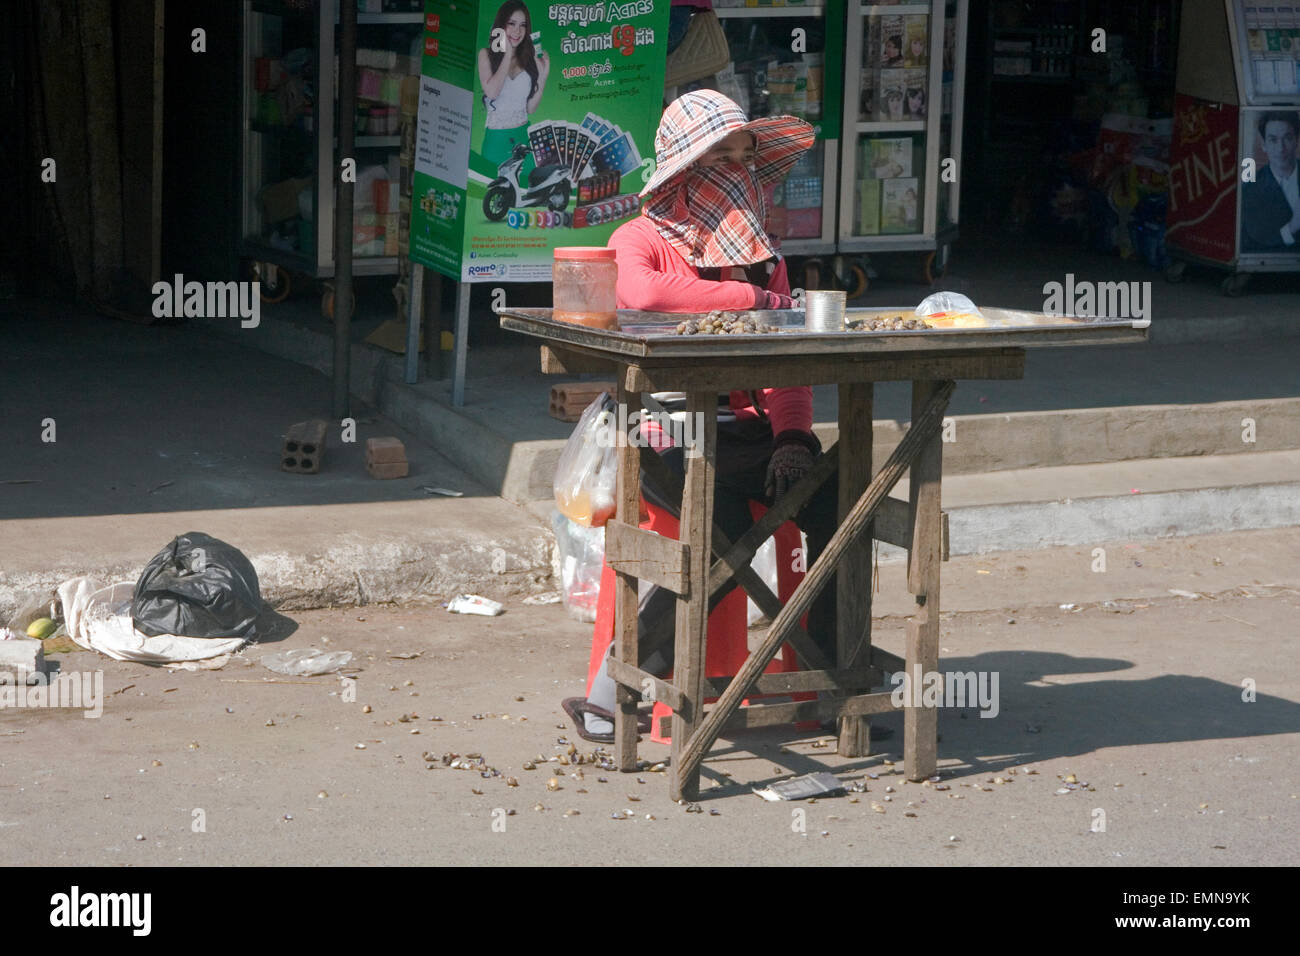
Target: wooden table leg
(921, 723)
(853, 597)
(693, 609)
(925, 428)
(625, 604)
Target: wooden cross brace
(689, 754)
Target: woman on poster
(513, 76)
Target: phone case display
(291, 123)
(902, 64)
(785, 60)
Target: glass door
(278, 193)
(891, 151)
(389, 46)
(785, 59)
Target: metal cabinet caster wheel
(1234, 285)
(936, 264)
(274, 282)
(327, 303)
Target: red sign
(431, 46)
(1203, 177)
(431, 22)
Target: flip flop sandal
(575, 707)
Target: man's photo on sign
(1270, 206)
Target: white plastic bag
(945, 302)
(586, 477)
(475, 604)
(764, 565)
(100, 620)
(306, 661)
(581, 553)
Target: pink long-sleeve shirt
(653, 276)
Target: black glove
(791, 460)
(775, 300)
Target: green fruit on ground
(41, 628)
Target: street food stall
(653, 352)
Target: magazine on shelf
(889, 95)
(914, 94)
(915, 48)
(898, 205)
(891, 40)
(867, 96)
(888, 158)
(868, 207)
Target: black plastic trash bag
(197, 586)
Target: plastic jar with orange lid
(585, 282)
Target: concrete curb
(1023, 526)
(522, 471)
(419, 567)
(430, 569)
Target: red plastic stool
(727, 645)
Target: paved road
(1142, 701)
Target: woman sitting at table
(700, 244)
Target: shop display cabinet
(290, 124)
(786, 60)
(900, 153)
(1238, 71)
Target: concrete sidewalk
(165, 430)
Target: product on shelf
(869, 206)
(915, 48)
(890, 95)
(887, 157)
(891, 41)
(803, 223)
(914, 97)
(898, 206)
(802, 193)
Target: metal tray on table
(652, 335)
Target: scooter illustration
(548, 186)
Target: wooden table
(645, 357)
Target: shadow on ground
(151, 419)
(1038, 720)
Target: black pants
(744, 450)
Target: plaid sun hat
(695, 121)
(714, 217)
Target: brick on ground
(379, 450)
(388, 469)
(304, 447)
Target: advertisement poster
(536, 130)
(1203, 174)
(1270, 200)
